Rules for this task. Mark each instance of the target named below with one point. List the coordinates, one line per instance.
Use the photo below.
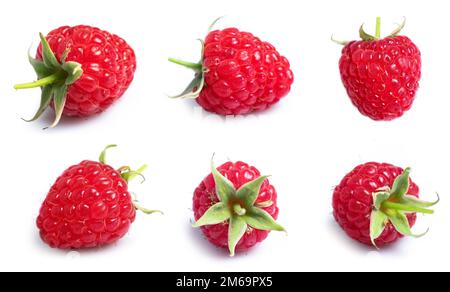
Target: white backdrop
(307, 143)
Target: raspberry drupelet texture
(238, 74)
(108, 64)
(353, 201)
(242, 73)
(381, 77)
(88, 206)
(205, 197)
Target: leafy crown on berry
(392, 206)
(54, 78)
(238, 208)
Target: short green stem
(239, 210)
(42, 82)
(190, 65)
(404, 208)
(378, 28)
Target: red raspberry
(88, 206)
(92, 69)
(372, 200)
(381, 76)
(238, 74)
(256, 206)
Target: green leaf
(377, 225)
(399, 29)
(59, 101)
(74, 72)
(218, 213)
(194, 88)
(236, 231)
(401, 223)
(261, 220)
(102, 157)
(401, 185)
(365, 36)
(249, 192)
(413, 201)
(39, 66)
(47, 54)
(224, 188)
(379, 199)
(46, 98)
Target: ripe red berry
(238, 74)
(376, 204)
(88, 206)
(236, 207)
(381, 75)
(82, 71)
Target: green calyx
(128, 175)
(54, 78)
(367, 37)
(194, 88)
(239, 209)
(377, 36)
(393, 205)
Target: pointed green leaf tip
(238, 208)
(54, 78)
(391, 206)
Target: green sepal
(261, 220)
(238, 208)
(48, 56)
(39, 67)
(401, 185)
(218, 213)
(225, 189)
(401, 223)
(53, 76)
(249, 192)
(393, 205)
(364, 35)
(196, 86)
(102, 157)
(59, 101)
(399, 29)
(46, 98)
(236, 231)
(127, 174)
(378, 222)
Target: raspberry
(376, 204)
(88, 206)
(231, 193)
(83, 70)
(238, 74)
(381, 76)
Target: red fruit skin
(381, 77)
(205, 196)
(108, 63)
(243, 74)
(353, 201)
(88, 206)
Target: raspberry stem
(58, 76)
(194, 66)
(239, 210)
(378, 28)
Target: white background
(307, 143)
